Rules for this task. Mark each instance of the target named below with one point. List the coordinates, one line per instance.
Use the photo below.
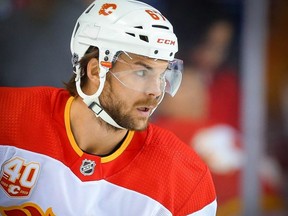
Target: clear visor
(144, 74)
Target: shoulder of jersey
(27, 113)
(167, 142)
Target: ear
(93, 70)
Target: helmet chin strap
(92, 101)
(95, 106)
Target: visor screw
(156, 51)
(107, 52)
(106, 58)
(171, 53)
(74, 59)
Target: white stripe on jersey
(207, 210)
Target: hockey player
(89, 150)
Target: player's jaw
(132, 117)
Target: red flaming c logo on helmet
(107, 9)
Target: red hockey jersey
(44, 172)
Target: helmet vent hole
(160, 26)
(130, 34)
(139, 27)
(89, 9)
(144, 38)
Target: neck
(91, 133)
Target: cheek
(126, 99)
(118, 96)
(113, 97)
(121, 93)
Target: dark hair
(92, 52)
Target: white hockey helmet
(120, 25)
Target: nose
(154, 88)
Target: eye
(141, 73)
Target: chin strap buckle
(96, 109)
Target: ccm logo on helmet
(165, 41)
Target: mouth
(145, 111)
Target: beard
(124, 114)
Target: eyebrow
(144, 65)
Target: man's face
(133, 89)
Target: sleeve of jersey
(203, 194)
(202, 200)
(196, 191)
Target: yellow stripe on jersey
(68, 127)
(120, 150)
